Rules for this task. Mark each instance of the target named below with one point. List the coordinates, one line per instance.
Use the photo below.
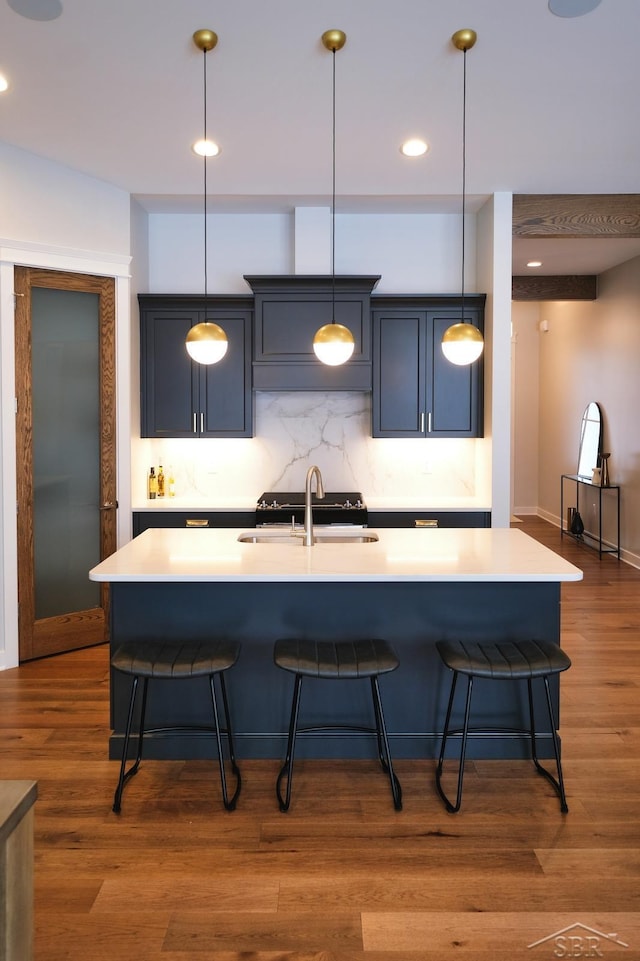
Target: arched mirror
(590, 441)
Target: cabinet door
(417, 392)
(453, 393)
(180, 398)
(398, 400)
(225, 399)
(168, 381)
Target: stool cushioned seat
(336, 660)
(514, 660)
(182, 659)
(522, 660)
(172, 661)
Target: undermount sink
(321, 536)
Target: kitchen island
(412, 587)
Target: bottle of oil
(152, 484)
(160, 481)
(172, 483)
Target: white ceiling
(113, 88)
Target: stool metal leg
(453, 808)
(287, 767)
(228, 803)
(383, 745)
(559, 783)
(125, 775)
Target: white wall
(54, 218)
(50, 205)
(525, 396)
(414, 253)
(494, 277)
(589, 353)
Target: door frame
(39, 637)
(117, 266)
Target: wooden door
(65, 388)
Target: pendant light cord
(206, 285)
(333, 199)
(464, 170)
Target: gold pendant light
(333, 344)
(206, 342)
(463, 343)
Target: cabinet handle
(196, 522)
(422, 422)
(429, 422)
(201, 422)
(195, 423)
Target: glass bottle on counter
(152, 484)
(171, 483)
(160, 481)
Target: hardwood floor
(344, 877)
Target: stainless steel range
(286, 507)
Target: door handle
(109, 506)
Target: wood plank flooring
(342, 877)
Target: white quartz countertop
(445, 504)
(460, 554)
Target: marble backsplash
(296, 429)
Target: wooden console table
(16, 869)
(591, 539)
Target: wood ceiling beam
(576, 215)
(570, 287)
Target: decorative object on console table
(605, 480)
(577, 524)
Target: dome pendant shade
(333, 344)
(206, 343)
(462, 344)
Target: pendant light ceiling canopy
(333, 344)
(463, 343)
(206, 342)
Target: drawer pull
(426, 522)
(196, 522)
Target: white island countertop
(459, 554)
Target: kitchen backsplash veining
(296, 429)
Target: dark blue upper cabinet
(417, 392)
(180, 398)
(288, 312)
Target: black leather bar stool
(333, 660)
(501, 661)
(177, 661)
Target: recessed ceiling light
(572, 8)
(206, 148)
(4, 84)
(534, 263)
(414, 147)
(37, 9)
